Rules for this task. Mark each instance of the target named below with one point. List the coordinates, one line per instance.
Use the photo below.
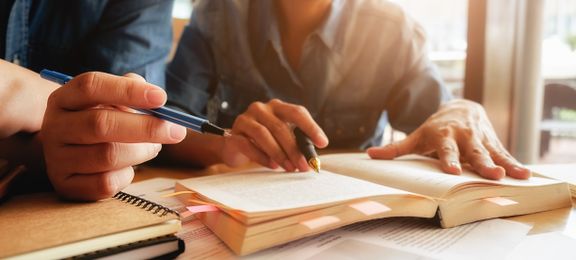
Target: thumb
(393, 150)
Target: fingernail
(157, 149)
(177, 132)
(288, 166)
(155, 97)
(273, 165)
(321, 136)
(455, 164)
(519, 168)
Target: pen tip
(314, 163)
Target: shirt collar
(264, 25)
(331, 27)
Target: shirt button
(224, 105)
(361, 130)
(16, 60)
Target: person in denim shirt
(338, 69)
(87, 133)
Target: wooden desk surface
(563, 220)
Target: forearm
(23, 97)
(197, 150)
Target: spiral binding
(144, 204)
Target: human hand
(91, 138)
(459, 131)
(264, 134)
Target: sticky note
(501, 201)
(370, 208)
(202, 208)
(320, 222)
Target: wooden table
(563, 220)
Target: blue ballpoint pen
(195, 123)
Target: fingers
(101, 157)
(449, 155)
(301, 118)
(501, 157)
(267, 128)
(91, 138)
(95, 88)
(264, 140)
(237, 147)
(92, 187)
(106, 125)
(283, 134)
(479, 158)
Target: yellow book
(41, 226)
(262, 208)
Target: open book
(261, 208)
(40, 226)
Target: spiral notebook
(41, 226)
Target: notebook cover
(38, 221)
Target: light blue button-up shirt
(364, 65)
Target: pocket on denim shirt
(350, 128)
(232, 100)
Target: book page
(264, 190)
(413, 173)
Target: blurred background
(516, 57)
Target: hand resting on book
(459, 132)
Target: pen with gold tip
(306, 147)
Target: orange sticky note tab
(320, 222)
(202, 208)
(501, 201)
(370, 208)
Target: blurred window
(445, 22)
(558, 127)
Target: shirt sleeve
(191, 76)
(420, 91)
(145, 30)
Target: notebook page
(263, 190)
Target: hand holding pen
(91, 137)
(264, 134)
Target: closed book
(42, 226)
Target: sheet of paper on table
(406, 238)
(553, 245)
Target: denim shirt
(75, 36)
(364, 65)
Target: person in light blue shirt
(339, 70)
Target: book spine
(145, 204)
